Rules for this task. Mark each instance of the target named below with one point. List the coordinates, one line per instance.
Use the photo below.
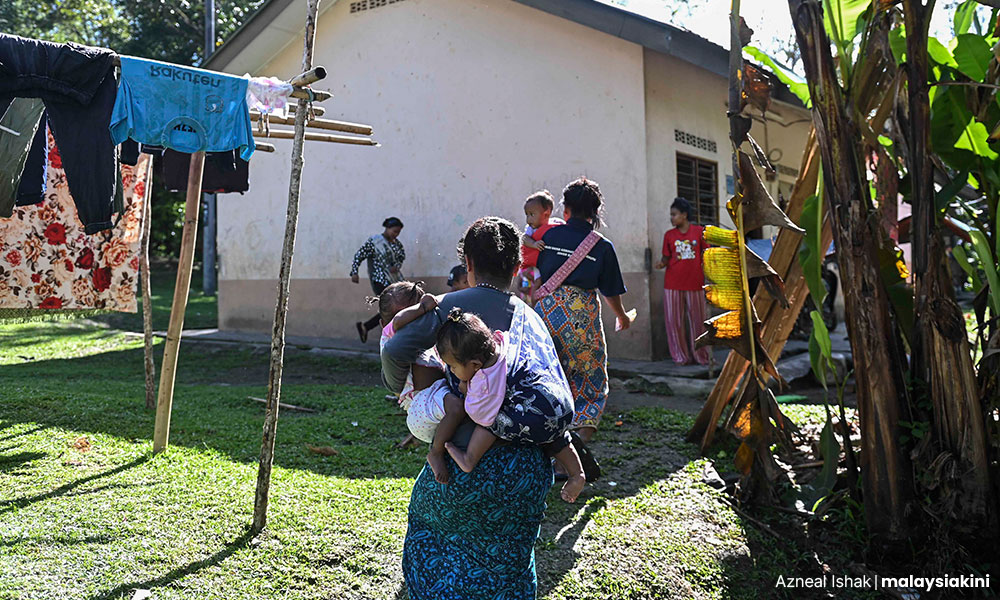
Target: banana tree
(844, 94)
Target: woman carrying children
(385, 255)
(569, 305)
(474, 537)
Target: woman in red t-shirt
(683, 296)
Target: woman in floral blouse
(385, 256)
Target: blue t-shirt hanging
(182, 108)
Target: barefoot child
(538, 216)
(478, 358)
(423, 395)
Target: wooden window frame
(696, 201)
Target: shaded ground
(86, 512)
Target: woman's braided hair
(583, 198)
(395, 297)
(493, 245)
(465, 337)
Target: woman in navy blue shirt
(572, 311)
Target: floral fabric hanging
(47, 262)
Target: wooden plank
(165, 399)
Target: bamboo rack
(284, 134)
(318, 124)
(164, 402)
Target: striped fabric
(680, 306)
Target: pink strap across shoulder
(569, 266)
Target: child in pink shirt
(478, 358)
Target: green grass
(202, 311)
(87, 512)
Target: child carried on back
(423, 395)
(504, 402)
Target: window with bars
(698, 181)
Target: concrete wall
(680, 96)
(477, 104)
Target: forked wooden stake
(164, 403)
(281, 309)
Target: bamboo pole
(318, 124)
(281, 308)
(284, 134)
(311, 76)
(147, 301)
(262, 147)
(316, 95)
(164, 403)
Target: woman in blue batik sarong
(473, 538)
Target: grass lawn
(202, 311)
(87, 512)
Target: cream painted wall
(476, 104)
(681, 96)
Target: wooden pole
(281, 308)
(311, 76)
(164, 403)
(317, 95)
(316, 110)
(284, 134)
(328, 124)
(147, 301)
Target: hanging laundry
(268, 94)
(78, 87)
(17, 130)
(33, 176)
(182, 108)
(47, 262)
(225, 172)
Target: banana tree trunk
(878, 363)
(942, 358)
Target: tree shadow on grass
(65, 489)
(19, 434)
(212, 408)
(180, 572)
(13, 461)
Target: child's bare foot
(459, 457)
(572, 488)
(439, 465)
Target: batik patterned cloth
(474, 538)
(48, 262)
(538, 407)
(573, 316)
